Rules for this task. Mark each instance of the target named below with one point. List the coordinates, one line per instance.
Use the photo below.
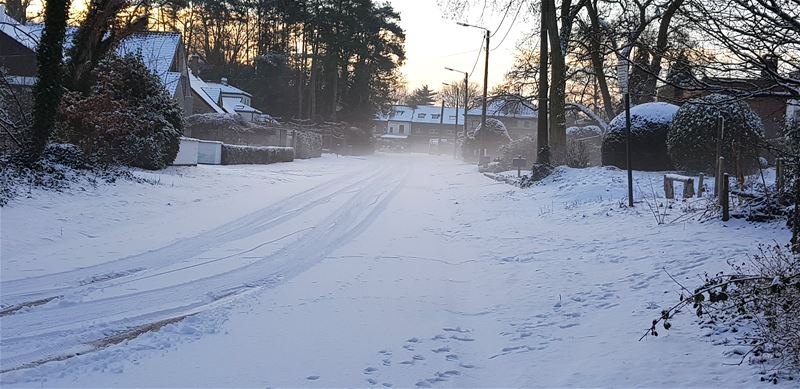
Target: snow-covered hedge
(255, 155)
(127, 118)
(231, 129)
(692, 138)
(496, 135)
(649, 126)
(307, 145)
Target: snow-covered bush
(584, 145)
(650, 123)
(495, 136)
(307, 145)
(255, 155)
(692, 138)
(525, 147)
(538, 172)
(127, 118)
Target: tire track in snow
(77, 328)
(20, 292)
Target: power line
(505, 14)
(477, 58)
(509, 27)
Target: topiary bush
(649, 126)
(495, 136)
(307, 145)
(128, 117)
(525, 147)
(692, 138)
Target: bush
(525, 147)
(584, 145)
(693, 137)
(650, 123)
(495, 136)
(127, 118)
(255, 155)
(307, 145)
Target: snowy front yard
(389, 270)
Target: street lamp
(466, 96)
(485, 87)
(622, 74)
(455, 124)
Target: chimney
(771, 66)
(194, 64)
(224, 81)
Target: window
(433, 131)
(421, 116)
(435, 116)
(452, 117)
(402, 129)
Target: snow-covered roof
(393, 136)
(235, 105)
(423, 114)
(158, 49)
(199, 87)
(227, 89)
(507, 108)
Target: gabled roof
(158, 49)
(199, 87)
(507, 108)
(227, 89)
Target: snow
(403, 270)
(657, 113)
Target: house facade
(420, 127)
(162, 52)
(519, 117)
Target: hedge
(255, 155)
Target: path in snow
(406, 271)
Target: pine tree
(421, 96)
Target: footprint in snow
(418, 357)
(441, 350)
(372, 381)
(370, 370)
(413, 340)
(312, 377)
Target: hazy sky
(433, 42)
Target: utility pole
(481, 141)
(622, 75)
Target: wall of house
(15, 58)
(394, 128)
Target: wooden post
(700, 184)
(720, 169)
(669, 189)
(688, 189)
(779, 175)
(724, 198)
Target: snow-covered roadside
(454, 280)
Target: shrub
(584, 146)
(255, 155)
(649, 126)
(307, 145)
(525, 147)
(127, 118)
(495, 136)
(693, 137)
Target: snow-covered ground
(389, 270)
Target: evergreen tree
(421, 96)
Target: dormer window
(421, 116)
(435, 116)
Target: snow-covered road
(390, 270)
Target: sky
(433, 42)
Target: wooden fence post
(688, 189)
(669, 189)
(779, 175)
(720, 169)
(700, 185)
(724, 198)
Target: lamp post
(485, 88)
(622, 74)
(455, 123)
(466, 99)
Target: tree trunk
(557, 136)
(543, 154)
(48, 90)
(598, 61)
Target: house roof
(199, 87)
(423, 114)
(507, 108)
(227, 89)
(235, 105)
(158, 49)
